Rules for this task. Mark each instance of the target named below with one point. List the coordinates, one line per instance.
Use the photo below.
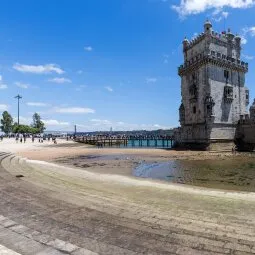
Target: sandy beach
(212, 169)
(103, 209)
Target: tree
(38, 123)
(24, 129)
(6, 122)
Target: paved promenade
(54, 210)
(6, 251)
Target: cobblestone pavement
(52, 211)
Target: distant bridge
(127, 141)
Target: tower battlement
(212, 87)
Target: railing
(131, 141)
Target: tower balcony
(228, 94)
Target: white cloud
(60, 80)
(37, 104)
(3, 107)
(88, 48)
(23, 120)
(219, 15)
(225, 14)
(2, 85)
(78, 110)
(21, 85)
(243, 40)
(99, 122)
(166, 57)
(188, 7)
(109, 88)
(151, 80)
(39, 69)
(55, 123)
(247, 31)
(79, 72)
(79, 88)
(248, 57)
(104, 125)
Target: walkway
(57, 210)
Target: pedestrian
(33, 138)
(25, 138)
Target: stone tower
(212, 88)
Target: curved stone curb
(52, 245)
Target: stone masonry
(212, 88)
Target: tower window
(226, 74)
(194, 109)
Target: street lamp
(18, 97)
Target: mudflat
(216, 169)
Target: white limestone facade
(212, 88)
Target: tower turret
(208, 27)
(185, 44)
(230, 35)
(238, 46)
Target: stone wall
(212, 72)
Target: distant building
(212, 88)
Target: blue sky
(98, 63)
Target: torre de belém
(212, 88)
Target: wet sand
(220, 170)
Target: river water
(231, 174)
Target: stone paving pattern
(50, 212)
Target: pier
(127, 141)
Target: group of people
(23, 137)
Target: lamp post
(18, 97)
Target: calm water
(231, 174)
(150, 143)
